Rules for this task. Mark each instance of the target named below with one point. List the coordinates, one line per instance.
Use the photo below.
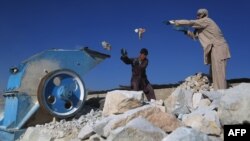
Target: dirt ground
(159, 93)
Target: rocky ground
(190, 111)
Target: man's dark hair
(144, 51)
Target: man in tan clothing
(216, 51)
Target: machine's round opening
(68, 105)
(51, 99)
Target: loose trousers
(218, 72)
(143, 84)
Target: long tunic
(215, 47)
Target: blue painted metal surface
(55, 76)
(10, 135)
(15, 79)
(16, 107)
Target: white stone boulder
(138, 129)
(186, 134)
(234, 105)
(120, 101)
(179, 102)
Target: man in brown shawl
(216, 50)
(139, 79)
